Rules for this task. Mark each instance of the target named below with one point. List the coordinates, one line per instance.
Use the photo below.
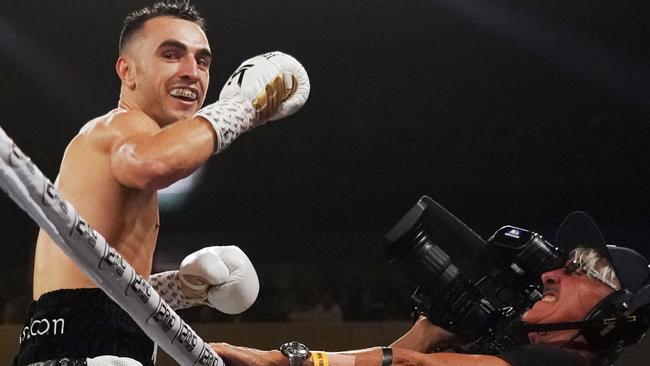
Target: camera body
(500, 279)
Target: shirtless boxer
(113, 168)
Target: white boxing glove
(224, 276)
(266, 87)
(268, 80)
(105, 360)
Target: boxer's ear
(126, 71)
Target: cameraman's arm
(242, 356)
(403, 357)
(406, 357)
(425, 336)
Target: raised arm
(265, 87)
(148, 157)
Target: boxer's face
(567, 297)
(172, 59)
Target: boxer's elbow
(144, 173)
(157, 175)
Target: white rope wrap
(36, 195)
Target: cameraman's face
(567, 297)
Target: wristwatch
(296, 352)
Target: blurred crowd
(291, 293)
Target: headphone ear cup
(607, 337)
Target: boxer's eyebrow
(204, 52)
(171, 43)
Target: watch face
(295, 349)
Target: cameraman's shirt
(544, 355)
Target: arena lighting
(175, 196)
(613, 69)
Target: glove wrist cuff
(229, 117)
(191, 286)
(168, 285)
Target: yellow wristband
(320, 359)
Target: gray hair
(595, 266)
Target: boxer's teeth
(183, 93)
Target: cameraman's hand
(424, 336)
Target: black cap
(579, 230)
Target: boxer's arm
(265, 87)
(145, 156)
(241, 356)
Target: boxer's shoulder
(123, 120)
(106, 130)
(119, 123)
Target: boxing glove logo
(239, 72)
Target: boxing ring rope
(35, 194)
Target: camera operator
(598, 281)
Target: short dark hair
(175, 9)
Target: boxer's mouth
(186, 94)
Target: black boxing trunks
(80, 323)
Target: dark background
(505, 112)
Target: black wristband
(386, 356)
